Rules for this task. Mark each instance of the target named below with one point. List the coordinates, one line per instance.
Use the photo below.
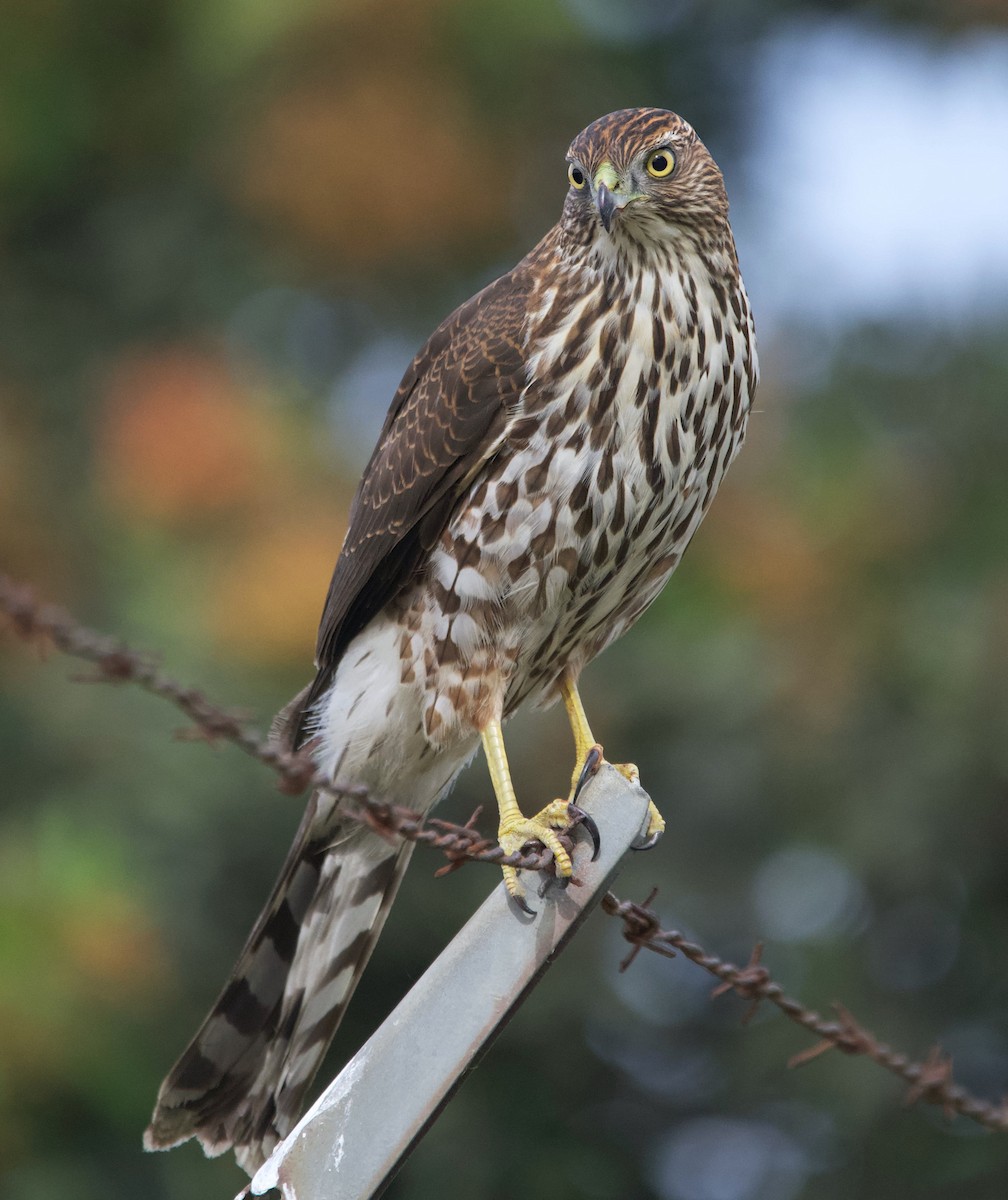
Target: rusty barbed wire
(115, 662)
(929, 1081)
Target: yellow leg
(515, 829)
(584, 741)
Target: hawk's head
(643, 173)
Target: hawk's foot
(628, 771)
(656, 827)
(589, 761)
(517, 831)
(586, 769)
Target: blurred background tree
(224, 228)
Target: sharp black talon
(593, 760)
(651, 842)
(581, 817)
(520, 901)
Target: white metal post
(357, 1134)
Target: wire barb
(114, 662)
(929, 1081)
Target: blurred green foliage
(208, 214)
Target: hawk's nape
(544, 464)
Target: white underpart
(370, 724)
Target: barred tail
(242, 1080)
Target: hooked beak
(609, 197)
(607, 205)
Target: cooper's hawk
(547, 458)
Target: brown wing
(443, 424)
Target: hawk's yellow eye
(576, 176)
(660, 163)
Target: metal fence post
(364, 1125)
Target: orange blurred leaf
(374, 168)
(267, 598)
(178, 438)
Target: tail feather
(242, 1080)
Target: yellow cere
(606, 174)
